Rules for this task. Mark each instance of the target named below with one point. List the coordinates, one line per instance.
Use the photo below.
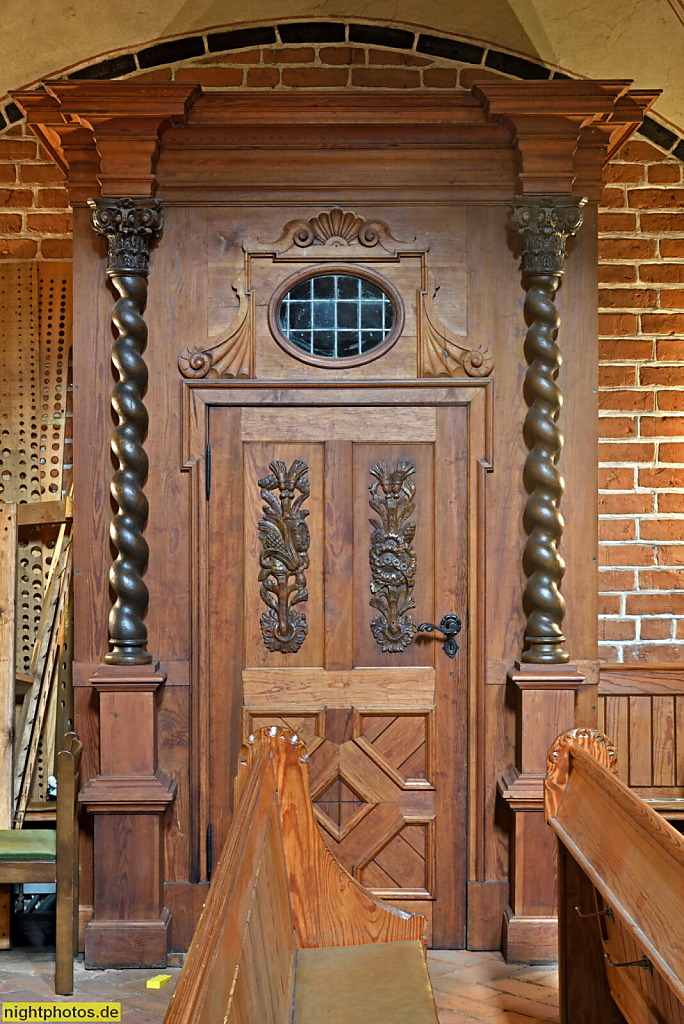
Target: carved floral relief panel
(392, 556)
(284, 538)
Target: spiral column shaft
(544, 223)
(129, 226)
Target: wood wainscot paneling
(641, 707)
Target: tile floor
(470, 988)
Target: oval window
(336, 315)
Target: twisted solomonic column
(129, 226)
(544, 224)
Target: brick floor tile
(461, 957)
(482, 972)
(151, 1002)
(454, 1001)
(540, 975)
(525, 988)
(454, 1017)
(511, 1017)
(436, 968)
(470, 987)
(533, 1008)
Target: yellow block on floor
(158, 980)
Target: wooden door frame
(198, 398)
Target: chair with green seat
(46, 855)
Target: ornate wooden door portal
(349, 512)
(333, 286)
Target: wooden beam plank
(8, 587)
(33, 513)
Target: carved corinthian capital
(129, 226)
(544, 223)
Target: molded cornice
(107, 135)
(565, 131)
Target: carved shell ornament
(335, 228)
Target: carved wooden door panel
(314, 614)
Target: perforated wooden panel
(54, 327)
(35, 407)
(20, 363)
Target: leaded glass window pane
(336, 316)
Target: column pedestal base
(127, 801)
(529, 940)
(127, 943)
(545, 704)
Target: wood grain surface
(643, 708)
(336, 688)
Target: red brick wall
(641, 452)
(641, 318)
(35, 216)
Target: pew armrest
(614, 851)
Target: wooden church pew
(286, 934)
(620, 891)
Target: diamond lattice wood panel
(370, 789)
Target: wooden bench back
(330, 907)
(614, 845)
(276, 888)
(240, 965)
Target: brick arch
(410, 59)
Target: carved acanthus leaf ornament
(558, 761)
(129, 226)
(443, 353)
(231, 355)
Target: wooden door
(384, 714)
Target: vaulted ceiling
(638, 39)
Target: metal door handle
(449, 627)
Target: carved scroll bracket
(392, 557)
(232, 354)
(443, 353)
(544, 223)
(129, 226)
(284, 538)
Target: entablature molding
(107, 136)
